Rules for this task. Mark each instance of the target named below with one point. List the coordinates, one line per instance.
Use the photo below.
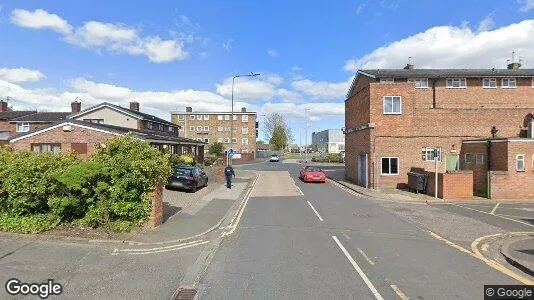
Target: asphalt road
(327, 244)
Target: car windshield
(313, 169)
(182, 172)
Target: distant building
(328, 141)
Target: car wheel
(194, 189)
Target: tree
(278, 131)
(216, 148)
(260, 142)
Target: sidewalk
(520, 253)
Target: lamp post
(306, 137)
(252, 74)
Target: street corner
(519, 252)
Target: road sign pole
(436, 171)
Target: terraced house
(395, 118)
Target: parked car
(312, 174)
(187, 178)
(274, 158)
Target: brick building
(394, 118)
(211, 127)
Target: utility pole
(436, 172)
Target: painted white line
(315, 211)
(157, 248)
(346, 236)
(237, 217)
(358, 269)
(495, 208)
(499, 216)
(300, 191)
(399, 293)
(372, 263)
(168, 250)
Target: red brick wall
(451, 186)
(479, 170)
(512, 185)
(356, 143)
(156, 213)
(57, 135)
(12, 127)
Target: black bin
(417, 181)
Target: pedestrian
(228, 173)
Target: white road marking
(399, 293)
(237, 217)
(499, 216)
(358, 269)
(346, 236)
(495, 208)
(315, 211)
(158, 250)
(372, 263)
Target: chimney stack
(409, 67)
(134, 106)
(514, 65)
(76, 106)
(189, 109)
(3, 105)
(243, 109)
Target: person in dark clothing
(228, 173)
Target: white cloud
(452, 47)
(486, 24)
(526, 5)
(100, 90)
(20, 75)
(227, 46)
(115, 38)
(289, 96)
(316, 110)
(250, 88)
(40, 19)
(273, 53)
(322, 89)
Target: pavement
(520, 253)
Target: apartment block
(395, 118)
(212, 127)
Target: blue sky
(172, 54)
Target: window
(226, 140)
(234, 117)
(191, 128)
(199, 139)
(244, 118)
(206, 140)
(171, 129)
(234, 141)
(23, 127)
(199, 128)
(244, 130)
(160, 127)
(489, 83)
(390, 166)
(456, 83)
(46, 148)
(226, 117)
(227, 129)
(479, 159)
(219, 140)
(520, 163)
(181, 117)
(532, 82)
(206, 128)
(427, 154)
(220, 117)
(191, 117)
(387, 80)
(97, 121)
(244, 150)
(508, 83)
(469, 158)
(244, 141)
(420, 83)
(149, 125)
(206, 117)
(392, 105)
(220, 128)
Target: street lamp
(306, 137)
(252, 74)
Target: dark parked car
(187, 178)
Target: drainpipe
(434, 93)
(488, 166)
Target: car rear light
(188, 177)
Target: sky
(167, 55)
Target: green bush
(28, 224)
(184, 159)
(216, 148)
(210, 160)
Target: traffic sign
(231, 152)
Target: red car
(312, 174)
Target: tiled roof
(42, 117)
(9, 115)
(444, 73)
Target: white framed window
(219, 128)
(420, 83)
(206, 128)
(206, 140)
(199, 128)
(489, 83)
(390, 165)
(219, 140)
(508, 83)
(227, 129)
(191, 117)
(206, 117)
(520, 162)
(244, 130)
(479, 159)
(220, 117)
(387, 80)
(244, 118)
(226, 117)
(427, 153)
(199, 139)
(23, 127)
(181, 117)
(56, 148)
(469, 158)
(226, 140)
(199, 117)
(234, 140)
(456, 83)
(244, 150)
(191, 128)
(149, 125)
(392, 105)
(234, 117)
(533, 82)
(244, 141)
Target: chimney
(408, 67)
(189, 109)
(243, 109)
(514, 66)
(76, 106)
(134, 106)
(3, 105)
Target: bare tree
(277, 130)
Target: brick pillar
(156, 213)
